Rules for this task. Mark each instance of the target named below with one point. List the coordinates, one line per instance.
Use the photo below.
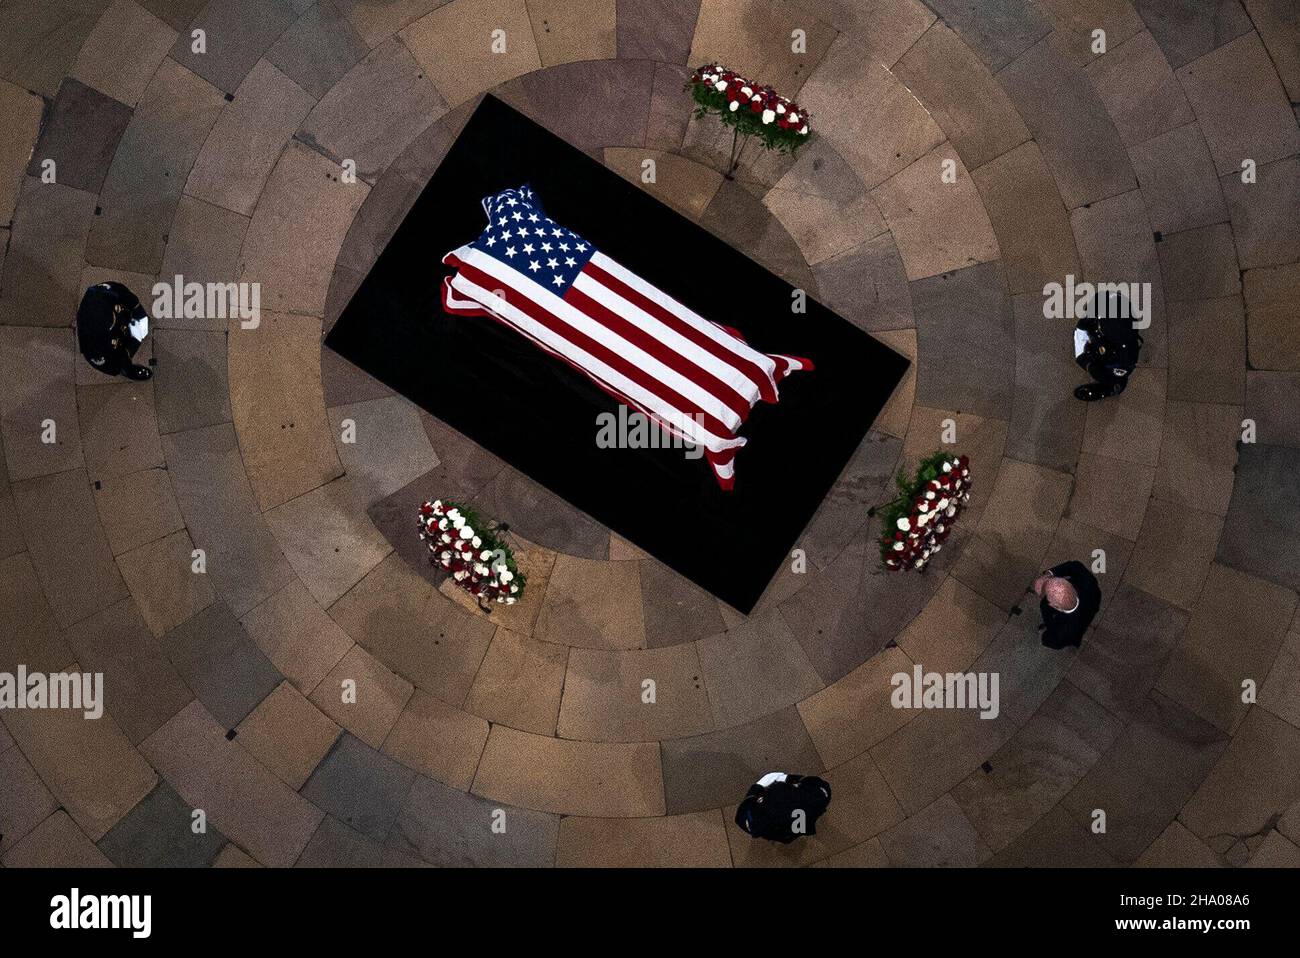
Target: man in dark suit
(1107, 346)
(781, 807)
(111, 324)
(1070, 598)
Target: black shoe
(140, 373)
(1091, 392)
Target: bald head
(1060, 594)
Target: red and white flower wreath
(460, 542)
(924, 525)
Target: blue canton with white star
(520, 234)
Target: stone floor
(223, 690)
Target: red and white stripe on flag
(697, 379)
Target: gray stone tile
(191, 387)
(158, 833)
(57, 842)
(670, 107)
(347, 125)
(227, 671)
(675, 609)
(1062, 837)
(965, 332)
(1265, 224)
(1186, 29)
(149, 170)
(1070, 123)
(202, 247)
(119, 429)
(145, 689)
(36, 388)
(1200, 264)
(1258, 537)
(1138, 88)
(656, 29)
(345, 383)
(539, 515)
(938, 836)
(867, 285)
(175, 13)
(80, 135)
(390, 448)
(71, 555)
(319, 49)
(25, 802)
(717, 769)
(997, 30)
(42, 38)
(1047, 422)
(1207, 351)
(31, 634)
(243, 558)
(335, 845)
(755, 668)
(1177, 178)
(843, 513)
(380, 215)
(239, 32)
(362, 788)
(446, 827)
(41, 283)
(1271, 400)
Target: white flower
(904, 523)
(952, 511)
(804, 131)
(445, 537)
(942, 504)
(459, 576)
(746, 91)
(720, 85)
(735, 105)
(511, 600)
(898, 547)
(505, 575)
(443, 523)
(780, 108)
(485, 555)
(947, 467)
(480, 568)
(794, 117)
(477, 541)
(768, 116)
(920, 564)
(929, 494)
(514, 588)
(464, 531)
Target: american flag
(696, 379)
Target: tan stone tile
(124, 26)
(21, 113)
(1259, 127)
(231, 856)
(388, 447)
(279, 408)
(754, 668)
(1130, 427)
(298, 229)
(939, 226)
(593, 604)
(44, 257)
(897, 414)
(88, 765)
(754, 38)
(454, 44)
(1177, 178)
(119, 429)
(1028, 218)
(1275, 21)
(862, 806)
(1178, 848)
(955, 626)
(1200, 263)
(68, 547)
(566, 32)
(375, 111)
(377, 22)
(363, 696)
(56, 843)
(1255, 779)
(302, 642)
(887, 131)
(1279, 692)
(36, 386)
(606, 698)
(437, 740)
(1275, 852)
(1236, 629)
(1264, 225)
(328, 539)
(869, 854)
(520, 683)
(242, 799)
(29, 634)
(1273, 337)
(1174, 551)
(1198, 455)
(163, 582)
(962, 95)
(137, 508)
(25, 802)
(288, 735)
(848, 717)
(267, 109)
(1207, 351)
(1111, 494)
(1138, 88)
(601, 779)
(1076, 19)
(823, 205)
(682, 183)
(693, 840)
(939, 835)
(203, 246)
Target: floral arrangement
(920, 519)
(749, 109)
(464, 545)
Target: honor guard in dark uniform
(111, 325)
(1107, 346)
(781, 807)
